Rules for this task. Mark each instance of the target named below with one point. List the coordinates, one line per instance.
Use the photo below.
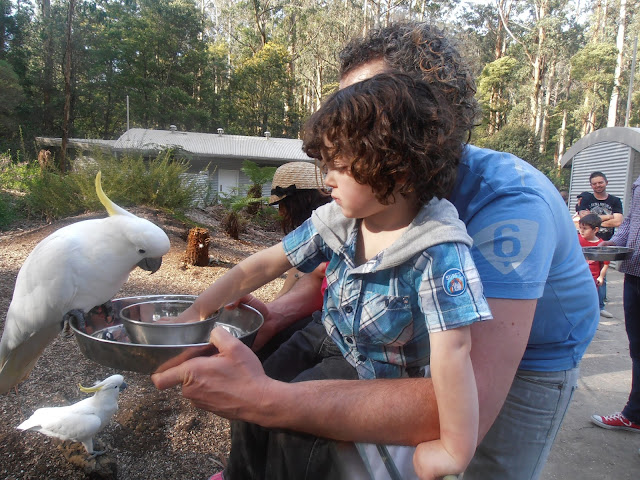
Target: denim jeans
(602, 293)
(518, 444)
(275, 454)
(631, 304)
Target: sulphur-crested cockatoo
(81, 421)
(78, 267)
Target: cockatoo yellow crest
(75, 268)
(81, 421)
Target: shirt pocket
(386, 320)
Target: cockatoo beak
(150, 264)
(122, 386)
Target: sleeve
(617, 206)
(450, 291)
(305, 248)
(514, 238)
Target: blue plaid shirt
(381, 318)
(628, 233)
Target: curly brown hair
(393, 130)
(422, 50)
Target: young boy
(588, 226)
(402, 289)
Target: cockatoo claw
(96, 453)
(81, 322)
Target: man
(533, 274)
(628, 235)
(609, 209)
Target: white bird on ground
(81, 421)
(74, 269)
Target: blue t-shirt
(525, 247)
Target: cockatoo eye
(141, 251)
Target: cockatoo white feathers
(77, 267)
(81, 421)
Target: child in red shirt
(588, 226)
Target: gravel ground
(154, 435)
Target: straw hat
(294, 176)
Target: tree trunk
(538, 67)
(47, 74)
(197, 247)
(615, 93)
(67, 89)
(544, 128)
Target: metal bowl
(156, 323)
(606, 254)
(105, 340)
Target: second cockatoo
(81, 421)
(78, 267)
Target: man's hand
(229, 384)
(606, 243)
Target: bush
(7, 210)
(127, 181)
(131, 180)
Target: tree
(258, 176)
(615, 91)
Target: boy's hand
(600, 281)
(268, 328)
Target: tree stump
(198, 247)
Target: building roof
(626, 135)
(78, 143)
(211, 144)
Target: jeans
(602, 293)
(518, 443)
(276, 454)
(631, 304)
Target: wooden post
(198, 247)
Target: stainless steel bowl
(607, 254)
(156, 322)
(105, 340)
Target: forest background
(548, 71)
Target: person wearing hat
(297, 189)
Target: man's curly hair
(421, 50)
(393, 130)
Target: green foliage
(130, 180)
(258, 175)
(8, 211)
(515, 139)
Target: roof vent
(220, 131)
(267, 134)
(173, 128)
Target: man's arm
(613, 220)
(402, 411)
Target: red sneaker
(217, 476)
(617, 421)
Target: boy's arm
(603, 273)
(455, 388)
(250, 274)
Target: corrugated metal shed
(613, 151)
(212, 145)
